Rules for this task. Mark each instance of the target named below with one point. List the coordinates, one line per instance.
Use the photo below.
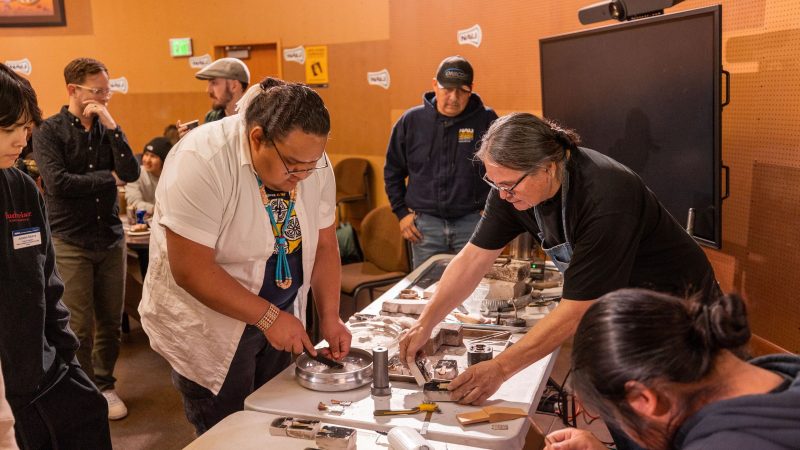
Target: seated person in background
(55, 405)
(243, 228)
(673, 381)
(141, 193)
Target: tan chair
(385, 255)
(353, 188)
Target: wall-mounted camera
(623, 10)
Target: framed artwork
(32, 13)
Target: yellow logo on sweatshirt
(466, 135)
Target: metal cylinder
(478, 353)
(521, 247)
(380, 372)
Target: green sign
(180, 47)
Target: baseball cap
(455, 72)
(159, 146)
(229, 68)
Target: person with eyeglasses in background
(595, 219)
(243, 228)
(83, 157)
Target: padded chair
(385, 255)
(352, 186)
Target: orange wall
(761, 246)
(131, 37)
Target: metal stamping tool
(436, 391)
(380, 372)
(478, 353)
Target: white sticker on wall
(198, 62)
(22, 66)
(470, 36)
(381, 79)
(297, 54)
(119, 85)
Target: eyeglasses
(300, 171)
(95, 91)
(508, 190)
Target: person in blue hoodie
(55, 405)
(674, 380)
(433, 180)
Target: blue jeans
(254, 363)
(442, 235)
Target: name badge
(27, 237)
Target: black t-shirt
(620, 233)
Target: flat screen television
(647, 93)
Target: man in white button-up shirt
(222, 302)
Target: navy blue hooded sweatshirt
(768, 421)
(436, 154)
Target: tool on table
(445, 369)
(427, 407)
(419, 369)
(436, 391)
(380, 372)
(327, 361)
(423, 407)
(478, 353)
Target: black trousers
(254, 363)
(71, 415)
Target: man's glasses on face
(508, 190)
(95, 91)
(320, 164)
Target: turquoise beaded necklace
(283, 277)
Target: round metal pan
(371, 334)
(317, 376)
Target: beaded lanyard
(283, 277)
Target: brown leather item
(490, 414)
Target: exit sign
(180, 47)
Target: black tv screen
(647, 93)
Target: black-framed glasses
(95, 91)
(322, 160)
(508, 190)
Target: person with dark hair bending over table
(595, 219)
(243, 228)
(674, 381)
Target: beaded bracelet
(268, 318)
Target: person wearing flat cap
(228, 78)
(432, 178)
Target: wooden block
(490, 414)
(470, 418)
(503, 413)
